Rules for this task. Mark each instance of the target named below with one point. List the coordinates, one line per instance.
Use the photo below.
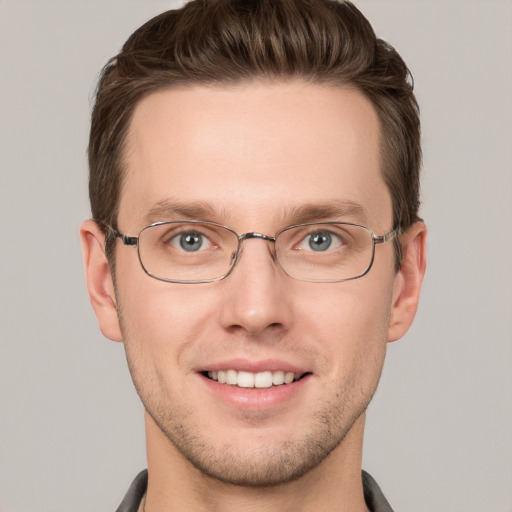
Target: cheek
(351, 321)
(160, 320)
(348, 308)
(160, 324)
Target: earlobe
(407, 287)
(99, 280)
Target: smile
(244, 379)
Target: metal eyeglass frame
(133, 241)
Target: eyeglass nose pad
(235, 256)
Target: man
(255, 243)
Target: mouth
(260, 380)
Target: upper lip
(246, 365)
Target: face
(256, 158)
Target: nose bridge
(255, 300)
(250, 236)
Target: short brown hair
(235, 41)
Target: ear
(407, 287)
(99, 280)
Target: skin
(255, 154)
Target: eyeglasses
(196, 251)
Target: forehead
(253, 152)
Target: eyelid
(175, 229)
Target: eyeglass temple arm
(127, 240)
(389, 236)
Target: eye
(320, 241)
(190, 241)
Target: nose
(256, 296)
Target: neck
(175, 484)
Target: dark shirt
(373, 496)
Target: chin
(261, 462)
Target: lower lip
(256, 398)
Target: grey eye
(320, 241)
(191, 241)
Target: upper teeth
(253, 380)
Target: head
(257, 116)
(223, 42)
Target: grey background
(439, 434)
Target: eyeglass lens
(203, 251)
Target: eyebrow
(173, 210)
(170, 209)
(332, 210)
